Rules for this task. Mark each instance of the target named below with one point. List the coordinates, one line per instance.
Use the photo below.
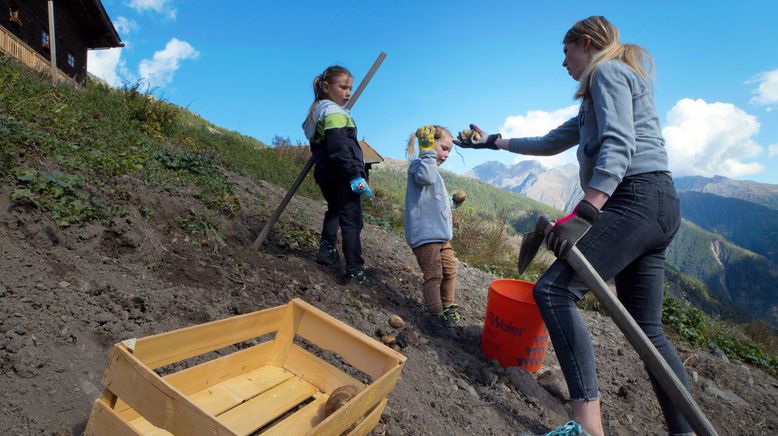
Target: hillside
(754, 192)
(741, 284)
(744, 223)
(122, 216)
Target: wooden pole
(308, 165)
(654, 361)
(52, 45)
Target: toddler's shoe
(328, 254)
(439, 326)
(451, 313)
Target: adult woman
(628, 216)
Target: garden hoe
(613, 307)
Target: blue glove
(360, 186)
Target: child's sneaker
(439, 326)
(572, 428)
(328, 254)
(358, 277)
(451, 312)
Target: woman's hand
(477, 139)
(568, 230)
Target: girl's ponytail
(318, 82)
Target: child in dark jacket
(428, 227)
(340, 170)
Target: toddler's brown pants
(439, 268)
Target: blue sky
(247, 65)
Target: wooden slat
(316, 371)
(105, 422)
(192, 380)
(224, 368)
(255, 382)
(154, 399)
(358, 349)
(215, 399)
(302, 421)
(228, 394)
(255, 413)
(358, 406)
(369, 422)
(177, 345)
(287, 329)
(146, 429)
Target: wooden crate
(276, 386)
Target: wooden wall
(34, 15)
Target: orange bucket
(514, 332)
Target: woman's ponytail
(605, 38)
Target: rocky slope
(68, 293)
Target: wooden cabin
(370, 155)
(79, 25)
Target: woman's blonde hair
(605, 38)
(328, 76)
(410, 149)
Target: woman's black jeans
(627, 242)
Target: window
(71, 60)
(44, 39)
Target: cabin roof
(99, 31)
(370, 155)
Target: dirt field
(68, 294)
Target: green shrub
(59, 195)
(204, 225)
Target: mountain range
(728, 238)
(557, 187)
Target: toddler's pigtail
(410, 149)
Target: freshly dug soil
(68, 294)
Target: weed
(146, 212)
(58, 194)
(298, 237)
(356, 304)
(204, 225)
(693, 328)
(484, 244)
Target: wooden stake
(308, 165)
(52, 45)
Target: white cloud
(538, 123)
(711, 139)
(124, 25)
(159, 6)
(107, 64)
(766, 94)
(159, 71)
(772, 150)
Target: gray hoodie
(427, 206)
(617, 129)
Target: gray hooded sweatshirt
(427, 206)
(617, 129)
